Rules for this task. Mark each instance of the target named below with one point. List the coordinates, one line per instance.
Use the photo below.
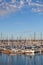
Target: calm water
(21, 60)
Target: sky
(21, 22)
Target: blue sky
(22, 22)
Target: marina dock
(19, 51)
(21, 46)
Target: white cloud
(29, 2)
(37, 10)
(14, 5)
(6, 7)
(36, 6)
(13, 1)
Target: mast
(41, 38)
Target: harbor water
(21, 59)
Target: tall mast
(34, 36)
(41, 38)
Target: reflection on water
(21, 60)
